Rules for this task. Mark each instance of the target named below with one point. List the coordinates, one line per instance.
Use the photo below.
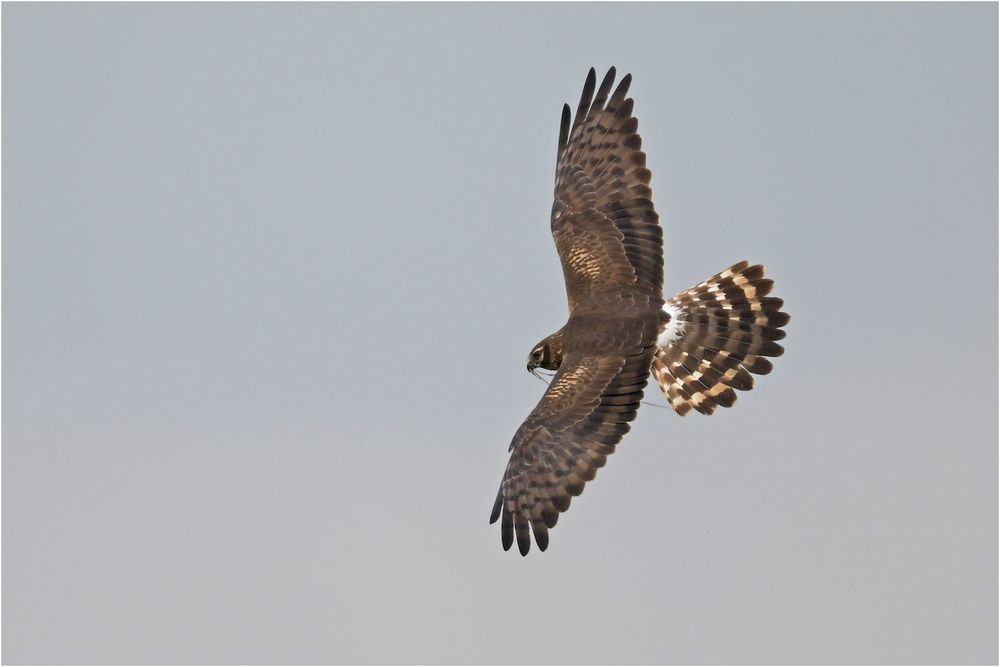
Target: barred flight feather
(714, 336)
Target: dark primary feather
(610, 244)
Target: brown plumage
(700, 345)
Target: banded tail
(714, 336)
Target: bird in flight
(701, 345)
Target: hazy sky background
(271, 274)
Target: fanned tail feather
(715, 335)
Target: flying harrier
(700, 345)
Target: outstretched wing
(605, 227)
(611, 247)
(571, 432)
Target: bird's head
(547, 354)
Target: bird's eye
(536, 355)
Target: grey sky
(271, 273)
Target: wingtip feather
(586, 97)
(507, 530)
(497, 507)
(564, 124)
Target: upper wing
(603, 221)
(570, 433)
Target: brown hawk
(700, 345)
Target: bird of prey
(700, 345)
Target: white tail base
(674, 329)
